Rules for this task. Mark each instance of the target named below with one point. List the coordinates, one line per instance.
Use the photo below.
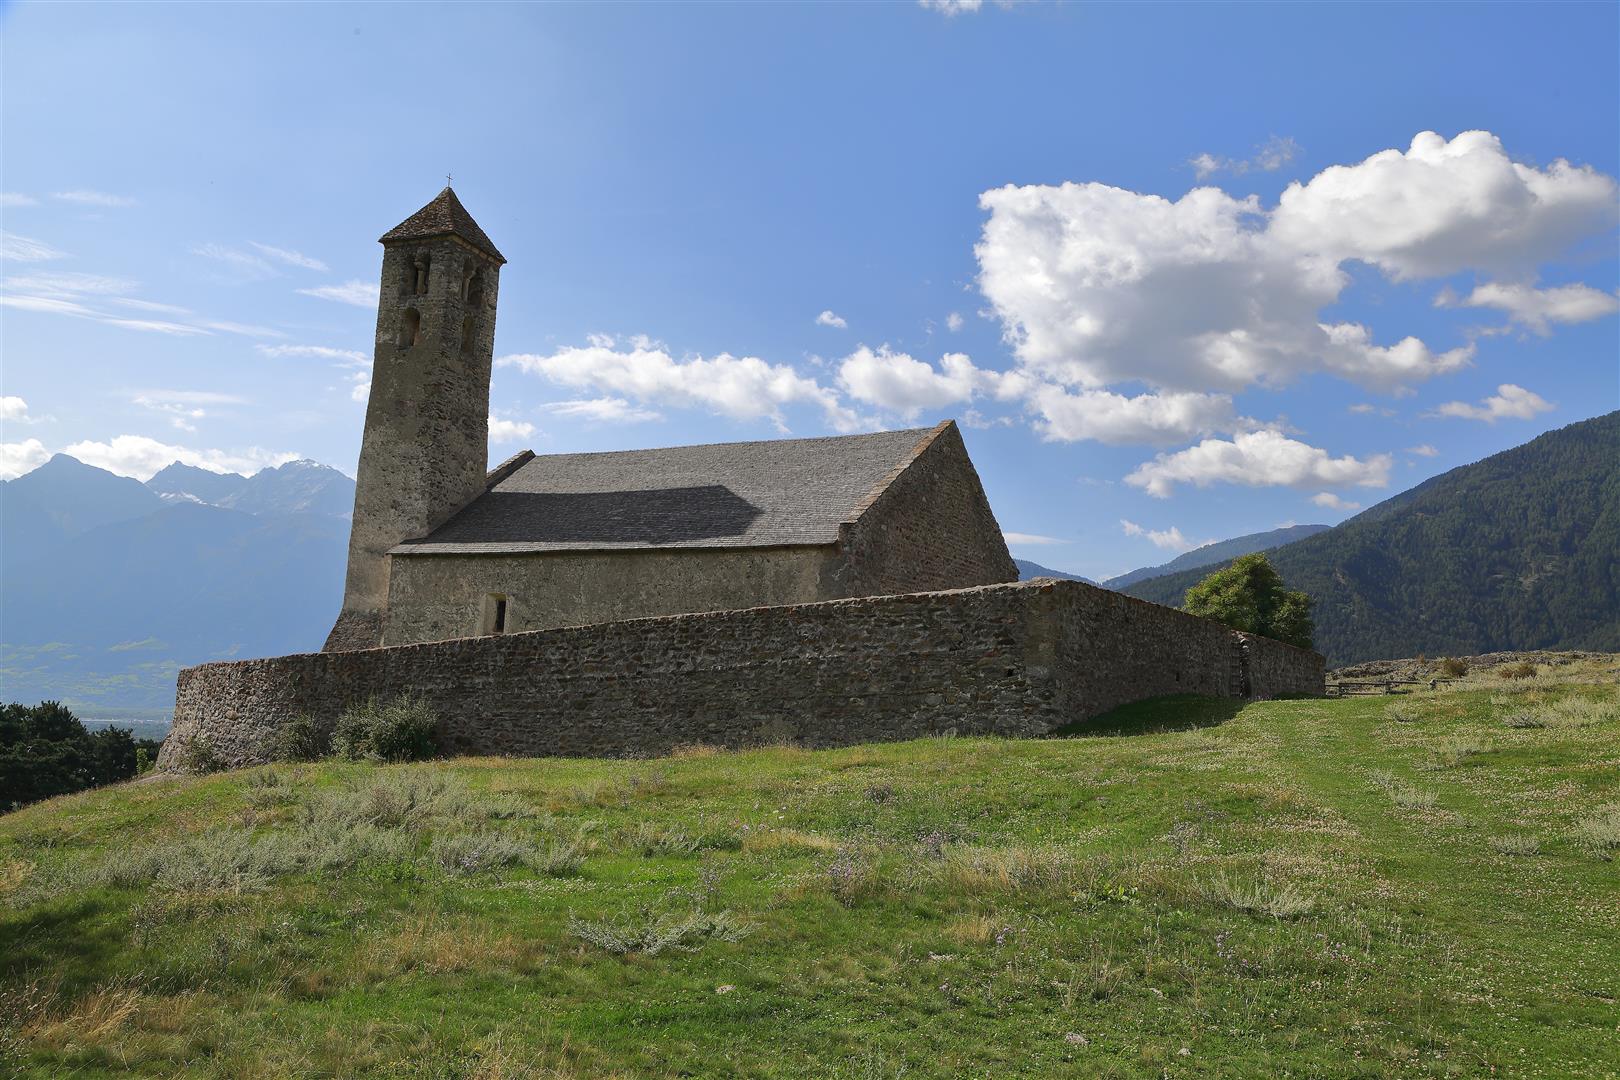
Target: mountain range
(1222, 551)
(1518, 551)
(109, 586)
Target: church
(442, 547)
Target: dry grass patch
(1599, 831)
(785, 840)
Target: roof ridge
(748, 442)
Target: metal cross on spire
(446, 179)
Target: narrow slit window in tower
(495, 611)
(410, 327)
(467, 329)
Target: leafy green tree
(1248, 595)
(45, 750)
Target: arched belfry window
(472, 286)
(410, 326)
(417, 282)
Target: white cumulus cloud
(501, 431)
(1145, 419)
(1169, 539)
(953, 321)
(1333, 502)
(903, 384)
(14, 410)
(741, 387)
(828, 318)
(1095, 285)
(1510, 402)
(17, 458)
(1263, 458)
(1536, 309)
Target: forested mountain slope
(1518, 551)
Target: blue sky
(996, 207)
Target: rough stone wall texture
(1015, 659)
(930, 528)
(426, 439)
(1278, 670)
(436, 597)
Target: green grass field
(1412, 886)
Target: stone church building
(444, 548)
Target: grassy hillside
(1513, 552)
(1416, 886)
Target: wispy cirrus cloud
(182, 408)
(357, 293)
(239, 264)
(86, 197)
(12, 200)
(86, 296)
(607, 410)
(14, 248)
(288, 257)
(319, 352)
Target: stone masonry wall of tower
(424, 452)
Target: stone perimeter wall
(1017, 659)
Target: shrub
(400, 729)
(469, 853)
(852, 877)
(1516, 844)
(557, 859)
(1600, 831)
(1280, 901)
(1523, 720)
(651, 936)
(650, 841)
(1524, 669)
(300, 739)
(199, 756)
(409, 798)
(1453, 668)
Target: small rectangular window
(497, 607)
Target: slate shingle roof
(444, 216)
(785, 492)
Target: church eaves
(444, 216)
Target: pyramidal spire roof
(444, 216)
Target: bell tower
(424, 454)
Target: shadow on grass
(73, 942)
(1179, 712)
